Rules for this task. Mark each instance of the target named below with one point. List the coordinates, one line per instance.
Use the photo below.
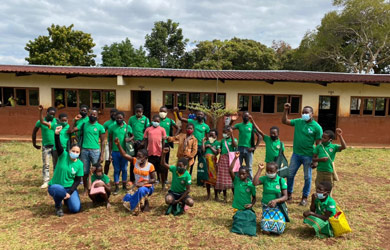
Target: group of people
(79, 149)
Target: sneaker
(44, 185)
(116, 191)
(289, 197)
(127, 205)
(303, 202)
(59, 212)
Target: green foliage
(63, 46)
(123, 54)
(166, 44)
(215, 111)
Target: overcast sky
(113, 20)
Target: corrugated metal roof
(247, 75)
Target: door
(141, 97)
(327, 112)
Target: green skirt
(322, 228)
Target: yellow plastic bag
(339, 223)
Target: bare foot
(85, 193)
(108, 205)
(225, 200)
(265, 232)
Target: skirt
(211, 169)
(272, 220)
(224, 181)
(137, 199)
(322, 228)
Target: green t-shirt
(108, 123)
(119, 132)
(328, 205)
(81, 122)
(305, 134)
(244, 134)
(47, 133)
(332, 149)
(179, 183)
(104, 178)
(230, 145)
(271, 188)
(243, 192)
(216, 145)
(66, 170)
(200, 130)
(272, 148)
(167, 124)
(138, 126)
(64, 136)
(91, 134)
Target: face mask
(49, 117)
(83, 114)
(92, 119)
(119, 122)
(181, 170)
(305, 117)
(325, 143)
(162, 115)
(245, 119)
(73, 155)
(199, 118)
(321, 196)
(141, 161)
(211, 140)
(274, 138)
(98, 177)
(271, 176)
(155, 124)
(225, 136)
(63, 124)
(113, 117)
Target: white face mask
(225, 136)
(162, 115)
(271, 176)
(211, 140)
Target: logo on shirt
(204, 128)
(331, 150)
(183, 182)
(247, 190)
(249, 129)
(277, 187)
(201, 165)
(167, 123)
(230, 143)
(95, 129)
(142, 121)
(278, 146)
(73, 172)
(310, 131)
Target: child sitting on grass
(99, 186)
(178, 194)
(321, 209)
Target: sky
(111, 21)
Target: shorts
(156, 161)
(178, 195)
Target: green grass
(27, 218)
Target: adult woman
(67, 176)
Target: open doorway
(142, 97)
(328, 111)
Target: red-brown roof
(248, 75)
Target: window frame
(289, 97)
(14, 94)
(201, 95)
(102, 97)
(362, 99)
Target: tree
(166, 44)
(234, 54)
(357, 37)
(215, 111)
(123, 54)
(63, 46)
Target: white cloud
(113, 21)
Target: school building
(357, 103)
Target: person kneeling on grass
(67, 176)
(321, 209)
(274, 192)
(145, 177)
(244, 219)
(178, 196)
(99, 186)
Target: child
(154, 142)
(168, 124)
(181, 181)
(273, 220)
(107, 155)
(323, 152)
(188, 144)
(145, 177)
(244, 219)
(211, 147)
(99, 186)
(321, 209)
(228, 144)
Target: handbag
(339, 223)
(335, 176)
(232, 155)
(129, 146)
(283, 206)
(281, 161)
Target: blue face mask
(73, 155)
(155, 124)
(271, 176)
(305, 117)
(321, 196)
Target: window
(377, 106)
(325, 102)
(182, 99)
(268, 104)
(21, 96)
(73, 98)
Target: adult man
(306, 132)
(107, 155)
